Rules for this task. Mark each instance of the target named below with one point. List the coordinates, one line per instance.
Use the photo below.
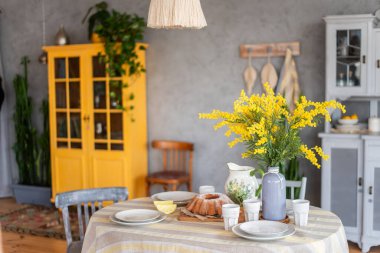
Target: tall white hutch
(351, 177)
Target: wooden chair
(85, 199)
(294, 184)
(177, 159)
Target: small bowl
(348, 121)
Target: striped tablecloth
(324, 233)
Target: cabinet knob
(363, 59)
(360, 181)
(378, 64)
(370, 190)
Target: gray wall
(189, 71)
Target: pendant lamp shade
(176, 14)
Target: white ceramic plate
(117, 221)
(176, 196)
(137, 215)
(264, 228)
(348, 121)
(237, 231)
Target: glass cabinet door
(68, 102)
(107, 106)
(348, 57)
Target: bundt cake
(209, 204)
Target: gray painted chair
(294, 184)
(83, 200)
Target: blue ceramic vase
(274, 195)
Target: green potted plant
(120, 33)
(99, 14)
(32, 150)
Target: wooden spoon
(250, 75)
(269, 74)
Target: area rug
(39, 221)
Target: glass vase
(274, 195)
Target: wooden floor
(16, 243)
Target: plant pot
(28, 194)
(95, 38)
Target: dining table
(323, 233)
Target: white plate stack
(137, 217)
(263, 230)
(346, 128)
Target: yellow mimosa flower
(269, 129)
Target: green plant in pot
(97, 17)
(32, 150)
(120, 33)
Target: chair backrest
(88, 198)
(176, 155)
(294, 184)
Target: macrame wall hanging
(176, 14)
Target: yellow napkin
(166, 206)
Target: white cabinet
(348, 43)
(351, 185)
(351, 177)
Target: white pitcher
(240, 185)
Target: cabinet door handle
(360, 183)
(370, 190)
(378, 64)
(363, 59)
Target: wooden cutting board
(184, 217)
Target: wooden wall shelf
(272, 49)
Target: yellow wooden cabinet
(93, 142)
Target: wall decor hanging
(269, 73)
(176, 14)
(287, 84)
(250, 75)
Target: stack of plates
(137, 217)
(344, 128)
(263, 230)
(178, 197)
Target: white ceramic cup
(374, 124)
(230, 213)
(301, 211)
(251, 209)
(206, 189)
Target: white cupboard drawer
(373, 152)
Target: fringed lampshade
(176, 14)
